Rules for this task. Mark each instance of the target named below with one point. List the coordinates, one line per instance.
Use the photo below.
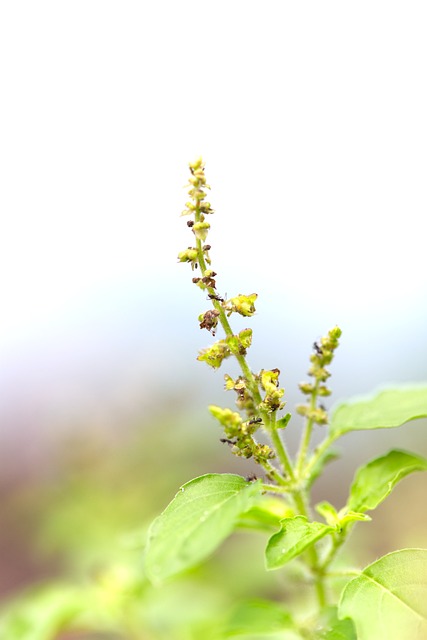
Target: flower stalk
(259, 396)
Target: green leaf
(295, 536)
(282, 423)
(266, 515)
(341, 519)
(202, 514)
(389, 599)
(258, 619)
(42, 613)
(384, 410)
(374, 481)
(335, 629)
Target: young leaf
(202, 514)
(341, 519)
(295, 536)
(387, 409)
(389, 598)
(374, 481)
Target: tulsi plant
(388, 598)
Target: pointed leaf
(384, 410)
(295, 536)
(202, 514)
(282, 423)
(341, 519)
(389, 599)
(374, 481)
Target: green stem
(300, 499)
(318, 453)
(274, 488)
(247, 373)
(282, 453)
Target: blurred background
(311, 119)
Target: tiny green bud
(197, 194)
(263, 453)
(270, 379)
(197, 164)
(226, 417)
(302, 409)
(318, 415)
(200, 230)
(242, 304)
(320, 373)
(215, 354)
(324, 390)
(306, 387)
(189, 255)
(229, 382)
(245, 337)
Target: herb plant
(326, 598)
(388, 598)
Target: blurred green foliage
(77, 526)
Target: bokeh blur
(311, 120)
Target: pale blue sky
(311, 119)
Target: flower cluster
(323, 354)
(239, 435)
(258, 396)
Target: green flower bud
(306, 387)
(269, 379)
(318, 415)
(197, 194)
(189, 255)
(242, 304)
(302, 409)
(324, 391)
(215, 354)
(262, 453)
(245, 337)
(226, 417)
(197, 164)
(229, 382)
(320, 373)
(238, 344)
(200, 230)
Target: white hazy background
(311, 117)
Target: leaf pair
(207, 509)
